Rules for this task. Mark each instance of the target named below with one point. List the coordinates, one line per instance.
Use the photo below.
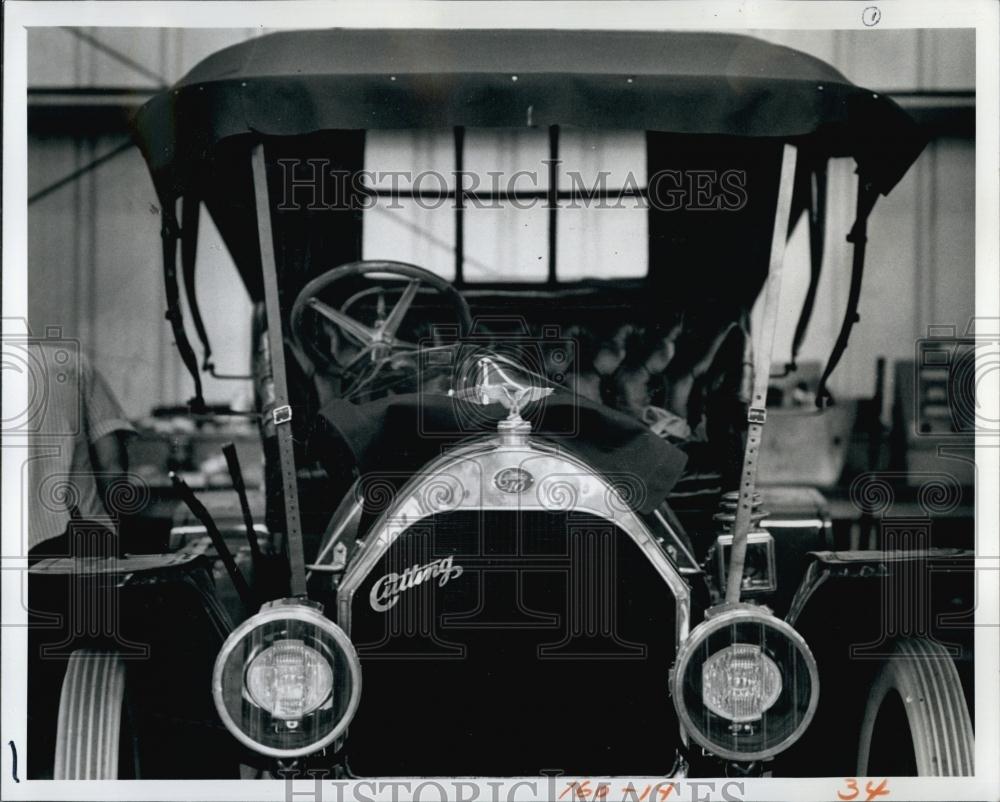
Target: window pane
(412, 233)
(601, 238)
(502, 241)
(394, 159)
(404, 229)
(505, 243)
(504, 160)
(610, 159)
(602, 242)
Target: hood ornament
(494, 385)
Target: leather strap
(170, 233)
(189, 252)
(761, 374)
(858, 237)
(281, 412)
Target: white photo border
(982, 15)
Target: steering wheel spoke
(378, 344)
(359, 357)
(391, 325)
(356, 328)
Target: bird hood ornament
(494, 385)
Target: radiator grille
(548, 650)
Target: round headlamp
(745, 684)
(287, 681)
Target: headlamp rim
(718, 618)
(285, 610)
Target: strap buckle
(281, 414)
(757, 415)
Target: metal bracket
(281, 414)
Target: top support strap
(858, 237)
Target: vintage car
(484, 559)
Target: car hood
(402, 433)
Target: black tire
(91, 713)
(916, 721)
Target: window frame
(552, 196)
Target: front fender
(852, 607)
(893, 570)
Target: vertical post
(459, 205)
(281, 411)
(553, 200)
(762, 371)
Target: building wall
(94, 258)
(95, 267)
(920, 261)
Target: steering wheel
(376, 342)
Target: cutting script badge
(385, 592)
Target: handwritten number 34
(873, 791)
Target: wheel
(100, 735)
(916, 721)
(91, 711)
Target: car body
(503, 576)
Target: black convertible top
(302, 82)
(705, 100)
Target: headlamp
(287, 681)
(745, 684)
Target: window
(530, 205)
(606, 237)
(399, 225)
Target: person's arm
(107, 430)
(110, 460)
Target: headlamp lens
(740, 682)
(289, 679)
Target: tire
(916, 703)
(91, 710)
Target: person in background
(648, 353)
(597, 357)
(77, 454)
(693, 365)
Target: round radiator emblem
(513, 480)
